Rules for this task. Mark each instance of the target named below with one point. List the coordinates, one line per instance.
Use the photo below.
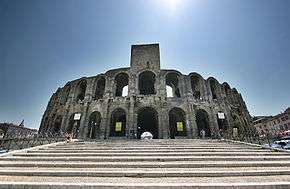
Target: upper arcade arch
(100, 84)
(172, 80)
(196, 82)
(146, 83)
(121, 81)
(81, 90)
(214, 87)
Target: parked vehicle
(282, 143)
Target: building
(125, 102)
(273, 125)
(10, 130)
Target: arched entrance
(57, 124)
(147, 83)
(202, 122)
(118, 123)
(238, 130)
(74, 124)
(222, 123)
(177, 123)
(94, 125)
(147, 120)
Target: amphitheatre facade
(125, 102)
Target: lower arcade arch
(202, 122)
(222, 123)
(74, 125)
(176, 123)
(94, 125)
(57, 124)
(118, 123)
(238, 130)
(147, 120)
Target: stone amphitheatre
(125, 102)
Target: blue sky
(44, 44)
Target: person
(202, 133)
(221, 133)
(68, 137)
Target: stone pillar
(163, 124)
(83, 122)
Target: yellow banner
(118, 126)
(179, 126)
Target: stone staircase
(146, 164)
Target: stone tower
(145, 57)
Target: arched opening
(118, 122)
(146, 83)
(81, 91)
(227, 89)
(74, 124)
(100, 88)
(147, 120)
(222, 123)
(173, 82)
(196, 86)
(202, 122)
(122, 81)
(237, 127)
(94, 125)
(169, 91)
(177, 123)
(213, 88)
(57, 124)
(65, 94)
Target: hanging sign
(221, 115)
(77, 116)
(179, 126)
(118, 126)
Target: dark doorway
(81, 91)
(147, 120)
(177, 125)
(118, 123)
(94, 125)
(202, 122)
(73, 126)
(146, 83)
(100, 88)
(57, 124)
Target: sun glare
(172, 5)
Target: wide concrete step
(150, 158)
(142, 174)
(148, 147)
(244, 182)
(144, 151)
(110, 169)
(145, 145)
(160, 154)
(144, 164)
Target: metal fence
(252, 136)
(20, 142)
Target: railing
(252, 136)
(20, 141)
